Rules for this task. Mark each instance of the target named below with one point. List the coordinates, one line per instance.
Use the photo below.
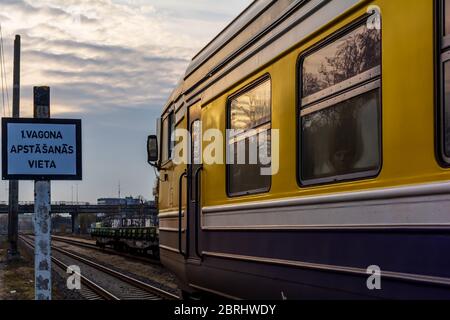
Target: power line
(3, 74)
(4, 69)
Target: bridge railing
(74, 203)
(71, 203)
(55, 203)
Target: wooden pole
(13, 211)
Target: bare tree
(358, 52)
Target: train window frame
(167, 144)
(164, 153)
(194, 141)
(171, 127)
(333, 96)
(443, 57)
(264, 78)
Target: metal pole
(42, 214)
(13, 210)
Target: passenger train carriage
(359, 95)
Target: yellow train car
(352, 99)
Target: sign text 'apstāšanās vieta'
(39, 148)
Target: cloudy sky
(111, 63)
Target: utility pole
(120, 204)
(13, 210)
(42, 213)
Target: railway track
(105, 250)
(89, 289)
(109, 284)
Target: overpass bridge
(75, 209)
(85, 208)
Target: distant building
(4, 224)
(62, 224)
(118, 201)
(151, 203)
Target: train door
(194, 179)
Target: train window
(249, 114)
(445, 84)
(447, 109)
(196, 142)
(447, 17)
(170, 139)
(340, 114)
(164, 145)
(168, 127)
(196, 153)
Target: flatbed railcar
(140, 240)
(359, 92)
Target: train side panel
(309, 242)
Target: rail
(98, 290)
(85, 244)
(159, 293)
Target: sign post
(42, 213)
(41, 149)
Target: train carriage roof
(238, 26)
(263, 22)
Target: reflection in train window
(249, 115)
(196, 153)
(252, 108)
(340, 114)
(196, 142)
(354, 54)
